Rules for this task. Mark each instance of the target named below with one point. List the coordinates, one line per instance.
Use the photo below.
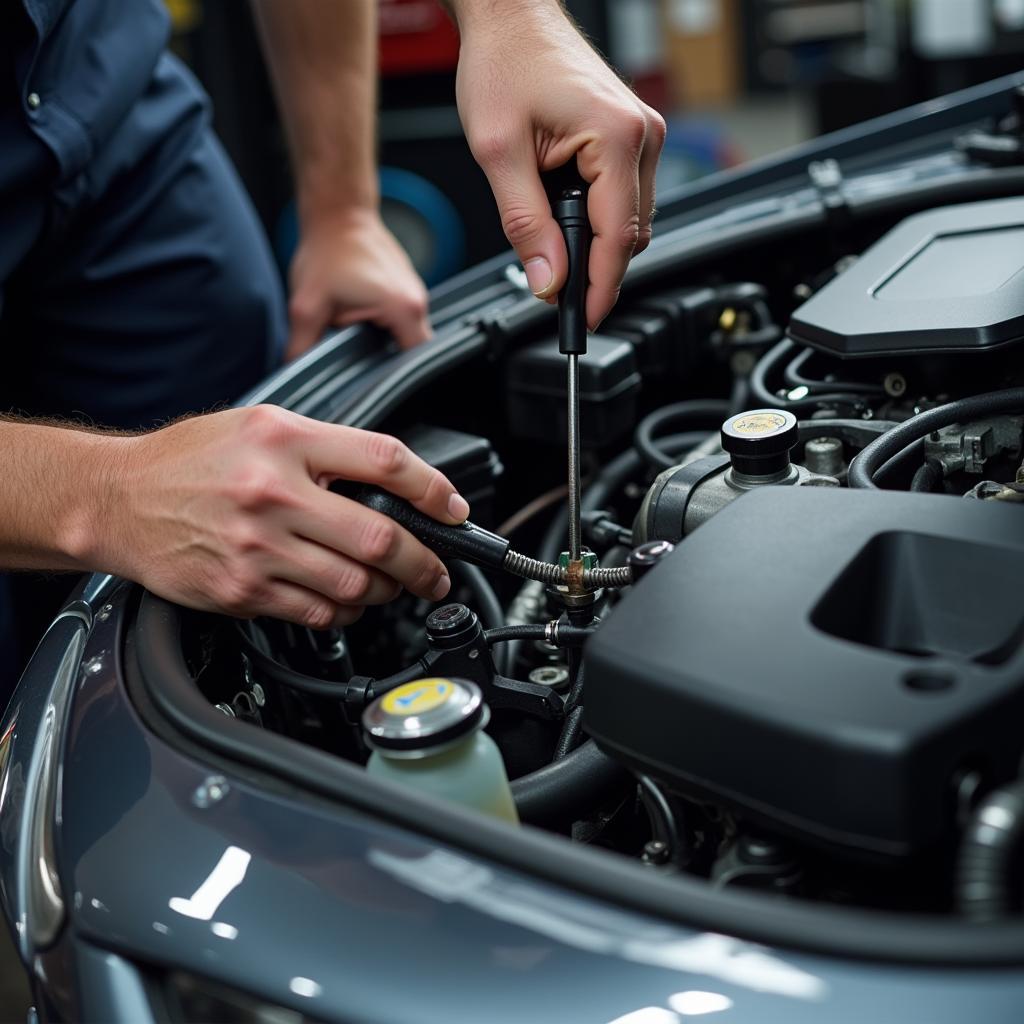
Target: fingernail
(441, 588)
(538, 274)
(458, 508)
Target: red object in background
(416, 36)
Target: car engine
(805, 453)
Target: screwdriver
(472, 543)
(570, 211)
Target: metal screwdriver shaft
(573, 390)
(571, 213)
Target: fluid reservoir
(428, 734)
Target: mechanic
(135, 285)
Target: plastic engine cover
(949, 280)
(824, 662)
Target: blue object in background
(417, 212)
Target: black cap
(450, 626)
(759, 441)
(645, 557)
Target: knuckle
(352, 584)
(385, 454)
(248, 539)
(643, 240)
(656, 129)
(267, 425)
(380, 535)
(255, 487)
(241, 592)
(417, 304)
(426, 575)
(301, 310)
(629, 236)
(489, 148)
(633, 126)
(520, 226)
(436, 489)
(318, 615)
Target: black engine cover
(824, 661)
(949, 280)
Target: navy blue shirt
(78, 66)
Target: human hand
(230, 512)
(533, 95)
(350, 268)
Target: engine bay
(803, 457)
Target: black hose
(739, 397)
(928, 476)
(569, 789)
(624, 466)
(572, 729)
(678, 412)
(284, 676)
(567, 635)
(491, 612)
(794, 378)
(875, 455)
(572, 726)
(774, 361)
(990, 856)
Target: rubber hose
(889, 445)
(569, 636)
(491, 612)
(776, 359)
(285, 676)
(623, 466)
(568, 789)
(643, 439)
(927, 477)
(990, 855)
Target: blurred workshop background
(735, 79)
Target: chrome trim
(44, 909)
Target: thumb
(308, 318)
(526, 217)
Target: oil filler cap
(417, 718)
(759, 441)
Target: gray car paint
(346, 919)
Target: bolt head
(895, 384)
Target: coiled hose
(891, 444)
(554, 575)
(990, 858)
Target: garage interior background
(736, 80)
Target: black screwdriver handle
(467, 541)
(570, 210)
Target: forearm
(323, 61)
(498, 14)
(60, 494)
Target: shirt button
(33, 101)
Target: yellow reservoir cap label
(417, 697)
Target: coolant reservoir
(428, 734)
